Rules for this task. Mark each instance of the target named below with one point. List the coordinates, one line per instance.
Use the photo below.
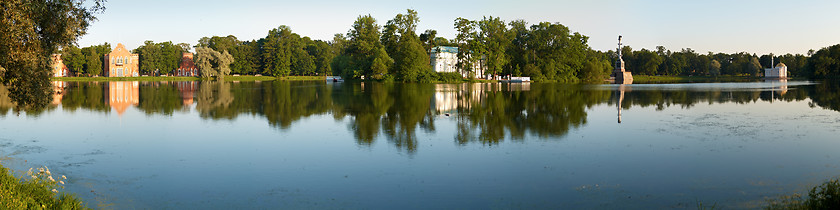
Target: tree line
(395, 52)
(688, 62)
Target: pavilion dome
(781, 65)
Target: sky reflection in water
(373, 145)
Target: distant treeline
(544, 51)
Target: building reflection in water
(123, 94)
(777, 85)
(187, 91)
(58, 91)
(450, 97)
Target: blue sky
(753, 26)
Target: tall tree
(714, 68)
(496, 40)
(161, 58)
(73, 59)
(246, 57)
(364, 48)
(464, 41)
(93, 61)
(211, 63)
(410, 58)
(277, 51)
(94, 58)
(30, 31)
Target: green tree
(754, 67)
(714, 69)
(363, 48)
(211, 63)
(246, 56)
(429, 39)
(94, 58)
(161, 58)
(464, 40)
(277, 51)
(825, 63)
(30, 31)
(341, 62)
(410, 58)
(648, 62)
(73, 59)
(496, 39)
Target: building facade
(780, 71)
(58, 67)
(121, 63)
(187, 67)
(445, 59)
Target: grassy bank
(154, 79)
(302, 78)
(681, 79)
(824, 196)
(39, 190)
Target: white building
(445, 59)
(780, 71)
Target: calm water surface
(222, 145)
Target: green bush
(37, 191)
(825, 196)
(450, 77)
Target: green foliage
(824, 196)
(411, 62)
(161, 58)
(30, 31)
(39, 190)
(825, 63)
(322, 55)
(450, 77)
(73, 59)
(363, 48)
(715, 68)
(496, 40)
(211, 63)
(246, 58)
(465, 41)
(285, 53)
(647, 62)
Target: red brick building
(121, 63)
(187, 68)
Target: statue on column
(619, 73)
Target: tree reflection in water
(485, 113)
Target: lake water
(293, 145)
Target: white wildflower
(63, 177)
(62, 182)
(55, 191)
(51, 179)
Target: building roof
(780, 65)
(446, 49)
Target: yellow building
(121, 63)
(58, 67)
